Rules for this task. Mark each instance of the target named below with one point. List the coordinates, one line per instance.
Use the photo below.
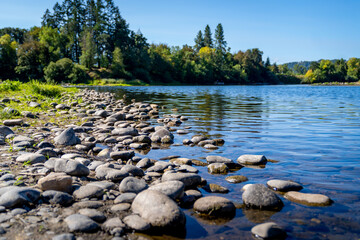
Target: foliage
(7, 57)
(64, 70)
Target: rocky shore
(79, 177)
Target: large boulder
(172, 189)
(259, 196)
(158, 209)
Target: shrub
(60, 71)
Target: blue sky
(285, 30)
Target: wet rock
(197, 139)
(236, 179)
(122, 155)
(67, 138)
(284, 186)
(218, 168)
(88, 191)
(161, 134)
(81, 223)
(56, 181)
(259, 196)
(144, 163)
(64, 236)
(309, 199)
(189, 179)
(218, 159)
(56, 197)
(252, 160)
(187, 168)
(105, 153)
(269, 230)
(16, 196)
(31, 158)
(215, 188)
(181, 161)
(215, 206)
(13, 122)
(95, 215)
(124, 131)
(172, 189)
(158, 209)
(136, 223)
(132, 184)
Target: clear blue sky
(285, 30)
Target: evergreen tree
(267, 63)
(199, 41)
(208, 42)
(220, 43)
(88, 49)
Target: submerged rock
(236, 179)
(309, 199)
(269, 230)
(252, 160)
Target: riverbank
(94, 148)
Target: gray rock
(259, 196)
(71, 167)
(17, 211)
(88, 204)
(218, 159)
(218, 168)
(56, 181)
(187, 168)
(144, 163)
(93, 165)
(88, 191)
(4, 131)
(17, 196)
(64, 236)
(125, 198)
(252, 160)
(189, 179)
(236, 179)
(81, 223)
(95, 215)
(136, 223)
(7, 177)
(13, 122)
(308, 199)
(132, 184)
(172, 189)
(106, 173)
(161, 134)
(124, 131)
(105, 185)
(269, 230)
(34, 104)
(67, 138)
(158, 209)
(215, 206)
(31, 158)
(113, 223)
(131, 169)
(215, 188)
(283, 185)
(122, 155)
(48, 152)
(105, 153)
(121, 207)
(57, 197)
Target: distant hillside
(306, 64)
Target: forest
(82, 41)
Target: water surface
(312, 131)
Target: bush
(78, 74)
(8, 85)
(60, 71)
(44, 89)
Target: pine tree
(199, 41)
(207, 37)
(267, 63)
(220, 43)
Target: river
(313, 133)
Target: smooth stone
(88, 204)
(71, 167)
(172, 189)
(215, 206)
(218, 159)
(121, 207)
(7, 177)
(4, 131)
(215, 188)
(158, 209)
(269, 230)
(67, 138)
(283, 185)
(252, 160)
(113, 223)
(81, 223)
(124, 131)
(132, 170)
(218, 168)
(144, 163)
(15, 196)
(125, 198)
(57, 197)
(45, 144)
(64, 236)
(31, 158)
(88, 191)
(189, 179)
(13, 122)
(105, 153)
(56, 181)
(187, 168)
(105, 185)
(136, 223)
(160, 134)
(95, 215)
(93, 165)
(122, 155)
(181, 161)
(106, 173)
(259, 196)
(309, 199)
(236, 179)
(132, 184)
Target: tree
(353, 65)
(208, 42)
(267, 63)
(59, 71)
(88, 52)
(199, 41)
(117, 66)
(220, 43)
(16, 34)
(7, 57)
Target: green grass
(116, 82)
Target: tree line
(80, 40)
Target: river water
(313, 133)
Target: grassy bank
(18, 96)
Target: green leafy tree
(88, 47)
(16, 34)
(353, 72)
(7, 57)
(118, 66)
